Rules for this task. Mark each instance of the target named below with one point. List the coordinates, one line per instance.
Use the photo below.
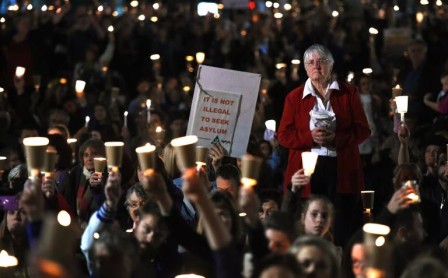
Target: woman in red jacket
(325, 116)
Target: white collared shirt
(320, 106)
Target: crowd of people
(327, 81)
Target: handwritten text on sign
(216, 115)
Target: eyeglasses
(135, 204)
(317, 62)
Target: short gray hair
(321, 50)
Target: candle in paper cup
(270, 124)
(20, 72)
(146, 157)
(114, 154)
(200, 57)
(396, 91)
(250, 170)
(185, 148)
(402, 104)
(35, 148)
(160, 133)
(201, 156)
(99, 164)
(309, 160)
(377, 254)
(79, 86)
(414, 196)
(125, 118)
(50, 161)
(367, 197)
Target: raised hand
(217, 153)
(399, 200)
(32, 200)
(112, 191)
(298, 180)
(249, 203)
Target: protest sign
(223, 108)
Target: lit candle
(309, 160)
(373, 31)
(367, 71)
(20, 72)
(7, 260)
(79, 88)
(148, 111)
(396, 91)
(125, 118)
(87, 121)
(200, 57)
(110, 28)
(270, 125)
(159, 133)
(402, 106)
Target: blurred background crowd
(129, 52)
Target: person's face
(15, 221)
(314, 262)
(276, 271)
(178, 127)
(278, 241)
(227, 185)
(135, 203)
(57, 118)
(444, 81)
(13, 159)
(317, 219)
(100, 113)
(431, 153)
(358, 260)
(318, 68)
(143, 88)
(267, 208)
(149, 234)
(364, 85)
(225, 217)
(443, 170)
(95, 134)
(88, 156)
(416, 53)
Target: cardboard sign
(223, 108)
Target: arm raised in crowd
(103, 217)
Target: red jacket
(351, 130)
